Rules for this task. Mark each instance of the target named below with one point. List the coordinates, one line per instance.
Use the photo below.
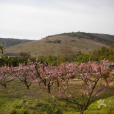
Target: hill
(65, 44)
(102, 38)
(7, 42)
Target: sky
(36, 19)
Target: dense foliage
(96, 55)
(4, 61)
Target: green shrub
(107, 109)
(21, 111)
(24, 101)
(18, 106)
(31, 112)
(12, 111)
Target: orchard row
(59, 79)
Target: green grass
(16, 99)
(22, 106)
(108, 108)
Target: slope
(57, 45)
(7, 42)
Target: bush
(21, 111)
(94, 107)
(12, 111)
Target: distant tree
(25, 54)
(60, 60)
(49, 59)
(57, 41)
(1, 48)
(112, 46)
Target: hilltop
(65, 44)
(102, 38)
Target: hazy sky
(36, 19)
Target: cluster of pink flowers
(88, 73)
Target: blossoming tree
(88, 76)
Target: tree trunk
(58, 83)
(28, 87)
(49, 86)
(81, 112)
(4, 85)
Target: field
(16, 99)
(70, 88)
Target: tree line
(96, 55)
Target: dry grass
(68, 45)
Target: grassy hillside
(7, 42)
(102, 38)
(63, 44)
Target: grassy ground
(102, 106)
(16, 99)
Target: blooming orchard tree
(47, 74)
(88, 76)
(26, 73)
(59, 80)
(105, 73)
(6, 75)
(33, 72)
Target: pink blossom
(69, 95)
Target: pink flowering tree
(54, 75)
(6, 75)
(106, 74)
(26, 73)
(60, 79)
(47, 74)
(88, 76)
(34, 72)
